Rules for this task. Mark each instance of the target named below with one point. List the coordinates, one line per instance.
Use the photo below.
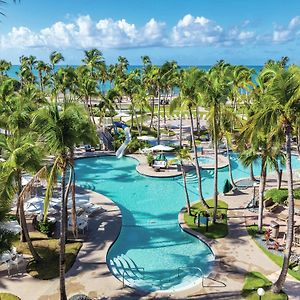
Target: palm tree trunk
(158, 120)
(63, 226)
(25, 232)
(137, 122)
(298, 141)
(180, 130)
(277, 286)
(188, 205)
(215, 210)
(262, 185)
(252, 173)
(164, 109)
(229, 165)
(198, 119)
(279, 175)
(74, 215)
(198, 170)
(152, 112)
(91, 111)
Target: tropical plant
(61, 129)
(277, 116)
(214, 89)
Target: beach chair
(160, 164)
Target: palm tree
(61, 129)
(181, 156)
(4, 67)
(214, 89)
(187, 100)
(20, 154)
(278, 116)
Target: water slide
(120, 151)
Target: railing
(202, 277)
(195, 268)
(137, 268)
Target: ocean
(15, 68)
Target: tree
(187, 99)
(214, 89)
(181, 156)
(278, 117)
(61, 129)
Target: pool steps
(126, 270)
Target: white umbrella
(26, 179)
(12, 226)
(34, 205)
(146, 138)
(121, 114)
(161, 148)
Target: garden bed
(215, 231)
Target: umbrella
(146, 138)
(227, 187)
(12, 226)
(121, 114)
(161, 148)
(34, 205)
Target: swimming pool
(204, 160)
(151, 249)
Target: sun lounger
(159, 164)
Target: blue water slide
(120, 151)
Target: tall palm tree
(183, 155)
(61, 129)
(278, 116)
(214, 89)
(187, 99)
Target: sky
(192, 32)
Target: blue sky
(193, 32)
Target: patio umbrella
(161, 148)
(12, 226)
(34, 205)
(122, 114)
(146, 138)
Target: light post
(260, 292)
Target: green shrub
(135, 145)
(280, 196)
(47, 228)
(150, 158)
(8, 296)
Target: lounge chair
(161, 164)
(270, 205)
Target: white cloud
(288, 33)
(84, 32)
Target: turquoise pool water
(205, 160)
(151, 249)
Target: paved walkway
(237, 254)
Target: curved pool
(152, 252)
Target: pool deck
(236, 254)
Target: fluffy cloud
(189, 31)
(289, 33)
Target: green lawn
(252, 230)
(49, 251)
(8, 296)
(255, 280)
(215, 231)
